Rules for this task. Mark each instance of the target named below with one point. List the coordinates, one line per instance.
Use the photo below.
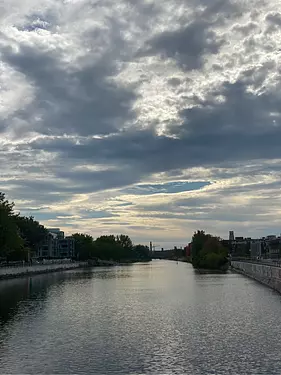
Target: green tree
(84, 246)
(212, 261)
(10, 240)
(142, 252)
(214, 254)
(31, 231)
(119, 248)
(124, 241)
(126, 244)
(108, 248)
(208, 251)
(198, 240)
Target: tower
(231, 235)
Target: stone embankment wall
(269, 275)
(10, 272)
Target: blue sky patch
(96, 214)
(167, 188)
(34, 22)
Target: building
(46, 250)
(273, 247)
(187, 250)
(56, 232)
(66, 247)
(240, 239)
(268, 247)
(56, 245)
(256, 249)
(231, 235)
(271, 237)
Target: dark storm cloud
(80, 100)
(274, 22)
(241, 112)
(213, 133)
(245, 126)
(71, 182)
(274, 18)
(91, 181)
(190, 43)
(186, 45)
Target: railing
(267, 262)
(43, 262)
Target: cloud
(154, 117)
(70, 100)
(187, 46)
(190, 43)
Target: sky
(149, 118)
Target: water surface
(154, 318)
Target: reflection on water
(155, 318)
(15, 291)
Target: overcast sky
(150, 118)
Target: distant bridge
(165, 254)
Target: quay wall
(266, 274)
(11, 272)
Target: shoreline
(23, 271)
(13, 273)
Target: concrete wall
(269, 275)
(9, 272)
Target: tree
(208, 251)
(119, 248)
(84, 246)
(109, 248)
(124, 241)
(10, 240)
(213, 254)
(31, 231)
(126, 244)
(198, 240)
(142, 252)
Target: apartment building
(56, 245)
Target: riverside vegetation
(208, 252)
(21, 236)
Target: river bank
(20, 271)
(222, 269)
(269, 275)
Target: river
(155, 318)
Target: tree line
(111, 247)
(21, 235)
